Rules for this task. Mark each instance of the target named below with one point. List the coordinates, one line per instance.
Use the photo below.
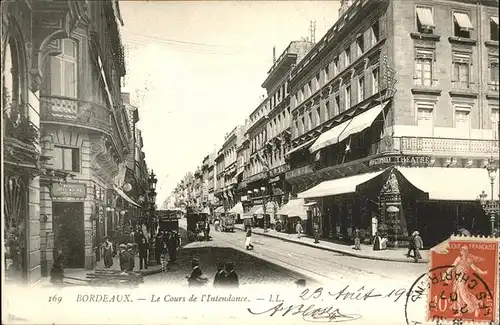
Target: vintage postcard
(250, 162)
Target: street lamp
(490, 207)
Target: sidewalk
(393, 255)
(78, 276)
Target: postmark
(463, 281)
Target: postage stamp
(463, 281)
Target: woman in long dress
(462, 265)
(108, 253)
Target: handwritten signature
(311, 313)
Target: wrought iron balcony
(75, 112)
(436, 146)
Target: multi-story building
(393, 119)
(255, 174)
(219, 180)
(65, 60)
(278, 122)
(229, 148)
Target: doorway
(69, 235)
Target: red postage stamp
(463, 281)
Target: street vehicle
(195, 223)
(227, 223)
(168, 220)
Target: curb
(340, 251)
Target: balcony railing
(75, 112)
(436, 146)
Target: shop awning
(251, 212)
(219, 209)
(463, 20)
(494, 19)
(237, 209)
(425, 18)
(338, 186)
(294, 208)
(302, 146)
(450, 184)
(125, 196)
(347, 128)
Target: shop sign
(75, 190)
(279, 170)
(401, 160)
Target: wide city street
(278, 261)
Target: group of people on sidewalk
(166, 243)
(225, 277)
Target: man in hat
(196, 278)
(172, 244)
(124, 258)
(220, 276)
(248, 241)
(419, 244)
(231, 276)
(143, 252)
(131, 256)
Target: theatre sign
(401, 160)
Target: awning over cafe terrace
(125, 196)
(338, 186)
(300, 147)
(342, 131)
(450, 184)
(237, 209)
(294, 208)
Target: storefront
(398, 196)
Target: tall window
(327, 73)
(317, 82)
(296, 128)
(462, 121)
(318, 115)
(425, 117)
(360, 44)
(327, 109)
(423, 67)
(337, 104)
(493, 67)
(461, 70)
(375, 79)
(63, 69)
(494, 29)
(425, 20)
(494, 122)
(303, 126)
(310, 121)
(361, 89)
(10, 79)
(347, 101)
(66, 159)
(336, 66)
(375, 33)
(462, 25)
(347, 55)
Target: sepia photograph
(279, 162)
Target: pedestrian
(57, 271)
(143, 252)
(131, 257)
(207, 231)
(298, 228)
(124, 258)
(376, 242)
(419, 244)
(357, 239)
(158, 248)
(316, 232)
(173, 243)
(411, 246)
(232, 280)
(217, 225)
(196, 278)
(220, 276)
(108, 253)
(248, 242)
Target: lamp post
(491, 207)
(151, 199)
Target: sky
(195, 70)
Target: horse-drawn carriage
(196, 225)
